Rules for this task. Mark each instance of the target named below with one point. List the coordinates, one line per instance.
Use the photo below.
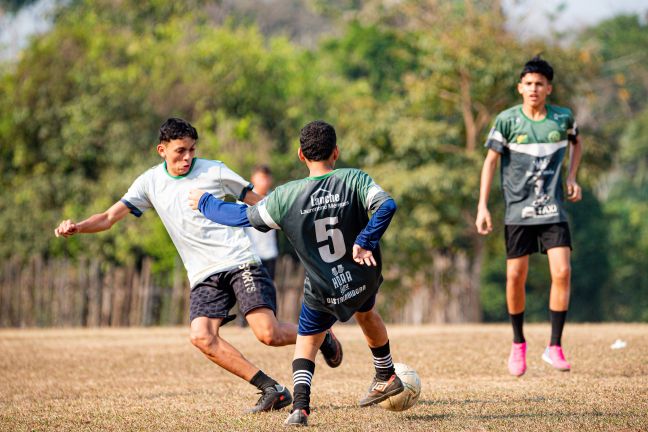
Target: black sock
(262, 381)
(517, 321)
(303, 370)
(383, 362)
(557, 324)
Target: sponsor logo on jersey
(554, 136)
(322, 199)
(341, 278)
(522, 139)
(541, 211)
(322, 196)
(349, 294)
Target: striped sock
(303, 370)
(383, 362)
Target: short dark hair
(317, 140)
(538, 65)
(176, 128)
(264, 169)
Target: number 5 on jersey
(335, 249)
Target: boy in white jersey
(531, 139)
(220, 263)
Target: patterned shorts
(250, 285)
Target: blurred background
(412, 88)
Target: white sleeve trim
(496, 135)
(371, 194)
(267, 219)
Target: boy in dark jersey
(532, 140)
(321, 215)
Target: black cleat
(272, 398)
(298, 417)
(331, 350)
(381, 390)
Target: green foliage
(412, 91)
(82, 106)
(625, 297)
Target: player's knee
(367, 317)
(204, 341)
(268, 336)
(561, 274)
(515, 275)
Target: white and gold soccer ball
(410, 394)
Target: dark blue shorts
(312, 321)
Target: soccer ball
(410, 394)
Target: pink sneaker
(517, 359)
(555, 357)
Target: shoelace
(265, 395)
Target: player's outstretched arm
(251, 198)
(219, 211)
(370, 236)
(574, 192)
(95, 223)
(483, 221)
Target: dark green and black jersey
(532, 155)
(321, 217)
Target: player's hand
(574, 191)
(483, 223)
(363, 256)
(194, 198)
(66, 228)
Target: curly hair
(317, 140)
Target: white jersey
(205, 247)
(264, 244)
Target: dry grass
(153, 379)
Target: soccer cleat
(298, 417)
(272, 398)
(381, 390)
(555, 357)
(331, 350)
(517, 359)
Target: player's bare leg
(560, 268)
(273, 332)
(517, 270)
(269, 330)
(516, 276)
(385, 383)
(205, 336)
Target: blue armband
(224, 213)
(370, 236)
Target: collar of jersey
(322, 176)
(193, 162)
(547, 107)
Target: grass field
(153, 379)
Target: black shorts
(215, 296)
(524, 240)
